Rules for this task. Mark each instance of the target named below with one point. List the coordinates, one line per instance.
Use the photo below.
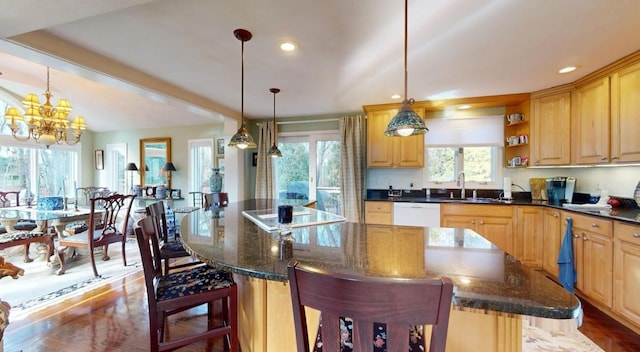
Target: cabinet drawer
(592, 224)
(378, 207)
(626, 232)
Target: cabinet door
(550, 126)
(379, 147)
(498, 230)
(528, 239)
(590, 130)
(552, 240)
(380, 213)
(598, 268)
(625, 110)
(626, 269)
(459, 221)
(409, 151)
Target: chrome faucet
(460, 183)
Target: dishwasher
(416, 214)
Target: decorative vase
(161, 192)
(215, 181)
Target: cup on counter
(285, 217)
(516, 117)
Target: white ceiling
(144, 63)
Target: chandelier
(45, 123)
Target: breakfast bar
(493, 291)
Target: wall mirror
(154, 153)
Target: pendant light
(242, 139)
(274, 152)
(406, 122)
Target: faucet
(460, 183)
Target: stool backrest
(398, 303)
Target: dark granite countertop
(629, 212)
(485, 277)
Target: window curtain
(265, 174)
(352, 166)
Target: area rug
(41, 287)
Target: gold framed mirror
(154, 154)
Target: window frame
(497, 160)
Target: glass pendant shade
(242, 139)
(274, 152)
(406, 123)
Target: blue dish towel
(567, 274)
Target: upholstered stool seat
(187, 282)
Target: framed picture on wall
(99, 159)
(220, 146)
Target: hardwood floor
(114, 318)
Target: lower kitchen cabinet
(380, 213)
(552, 239)
(493, 222)
(593, 256)
(528, 239)
(626, 269)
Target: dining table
(44, 219)
(494, 292)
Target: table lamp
(168, 167)
(131, 167)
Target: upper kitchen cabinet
(590, 125)
(550, 126)
(625, 114)
(391, 152)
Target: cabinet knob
(595, 225)
(614, 158)
(585, 238)
(537, 162)
(481, 222)
(603, 158)
(636, 235)
(556, 215)
(473, 221)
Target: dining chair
(216, 200)
(170, 246)
(389, 303)
(183, 290)
(108, 220)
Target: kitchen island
(493, 290)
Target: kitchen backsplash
(620, 180)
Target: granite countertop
(225, 238)
(628, 212)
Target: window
(200, 164)
(472, 145)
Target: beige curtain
(352, 166)
(265, 175)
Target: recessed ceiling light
(567, 69)
(288, 46)
(396, 96)
(464, 107)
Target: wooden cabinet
(389, 152)
(395, 250)
(626, 271)
(380, 213)
(528, 238)
(625, 110)
(552, 239)
(520, 130)
(493, 222)
(550, 127)
(590, 123)
(593, 256)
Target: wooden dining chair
(216, 200)
(108, 220)
(394, 304)
(170, 246)
(183, 290)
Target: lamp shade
(131, 167)
(169, 167)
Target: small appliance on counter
(560, 189)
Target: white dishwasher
(416, 214)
